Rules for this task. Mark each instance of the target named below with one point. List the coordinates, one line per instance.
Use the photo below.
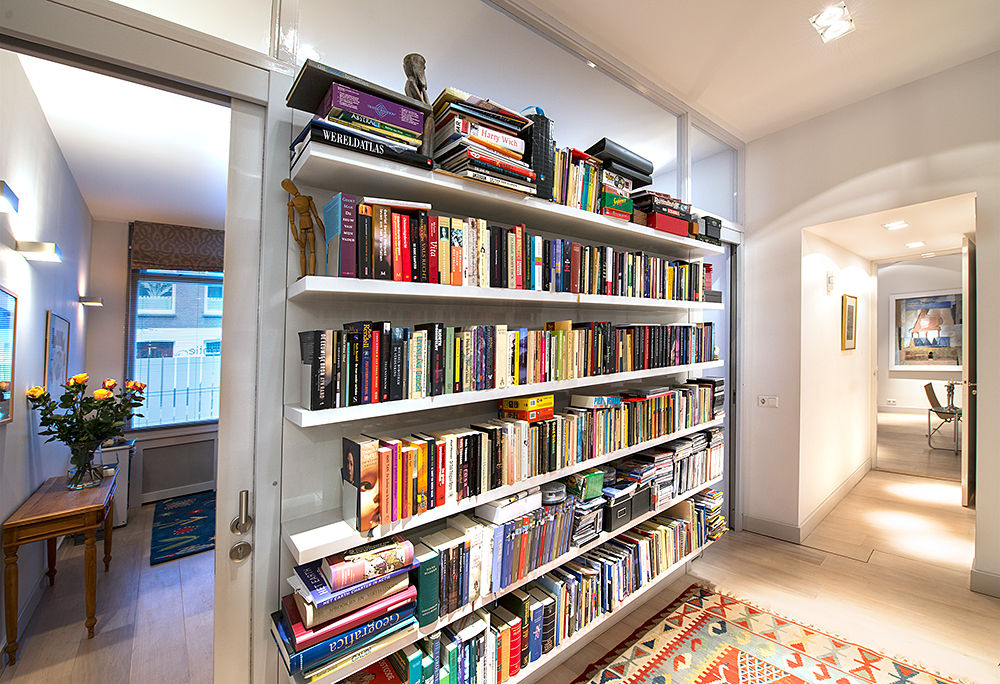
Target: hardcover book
(302, 636)
(367, 561)
(340, 219)
(344, 98)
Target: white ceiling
(136, 153)
(758, 67)
(940, 224)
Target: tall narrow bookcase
(311, 520)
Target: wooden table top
(53, 500)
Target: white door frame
(104, 37)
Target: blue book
(535, 631)
(497, 571)
(508, 536)
(319, 589)
(342, 644)
(340, 219)
(466, 573)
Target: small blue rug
(182, 526)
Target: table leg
(90, 580)
(108, 522)
(52, 561)
(10, 599)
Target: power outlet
(890, 402)
(767, 400)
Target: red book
(574, 267)
(614, 213)
(526, 523)
(668, 224)
(432, 249)
(500, 163)
(385, 484)
(405, 249)
(515, 646)
(519, 256)
(376, 343)
(531, 415)
(303, 637)
(397, 247)
(442, 461)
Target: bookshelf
(312, 525)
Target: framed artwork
(56, 351)
(8, 335)
(848, 322)
(926, 332)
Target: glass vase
(81, 473)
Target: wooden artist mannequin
(304, 236)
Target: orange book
(406, 481)
(457, 255)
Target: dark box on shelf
(711, 227)
(617, 514)
(642, 501)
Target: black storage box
(618, 514)
(642, 501)
(711, 226)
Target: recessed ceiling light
(591, 64)
(895, 225)
(914, 245)
(833, 22)
(926, 255)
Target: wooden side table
(50, 512)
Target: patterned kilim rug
(709, 638)
(182, 526)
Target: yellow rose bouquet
(82, 422)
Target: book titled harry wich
(366, 561)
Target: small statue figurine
(304, 236)
(414, 66)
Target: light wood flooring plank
(902, 447)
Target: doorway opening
(130, 180)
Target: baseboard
(901, 409)
(25, 615)
(983, 582)
(797, 533)
(816, 517)
(159, 495)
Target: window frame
(205, 311)
(171, 276)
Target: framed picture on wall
(8, 335)
(56, 351)
(926, 332)
(848, 322)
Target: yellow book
(528, 403)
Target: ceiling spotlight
(833, 22)
(914, 245)
(591, 64)
(895, 225)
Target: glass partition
(713, 175)
(244, 22)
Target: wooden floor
(154, 624)
(902, 447)
(891, 573)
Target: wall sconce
(39, 251)
(92, 301)
(8, 200)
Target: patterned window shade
(171, 247)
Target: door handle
(242, 523)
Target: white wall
(835, 401)
(108, 280)
(901, 277)
(51, 209)
(897, 148)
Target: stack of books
(344, 606)
(661, 211)
(663, 478)
(373, 361)
(355, 114)
(616, 191)
(711, 519)
(480, 139)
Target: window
(175, 341)
(213, 300)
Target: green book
(413, 659)
(427, 664)
(519, 603)
(428, 582)
(451, 653)
(449, 360)
(443, 675)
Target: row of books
(498, 641)
(372, 361)
(387, 479)
(384, 239)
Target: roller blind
(173, 247)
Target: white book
(509, 511)
(502, 350)
(395, 204)
(484, 254)
(470, 257)
(451, 463)
(477, 544)
(524, 450)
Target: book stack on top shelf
(570, 466)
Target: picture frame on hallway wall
(8, 336)
(926, 331)
(848, 322)
(56, 351)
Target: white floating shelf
(304, 418)
(321, 289)
(337, 170)
(322, 534)
(377, 654)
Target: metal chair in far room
(946, 414)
